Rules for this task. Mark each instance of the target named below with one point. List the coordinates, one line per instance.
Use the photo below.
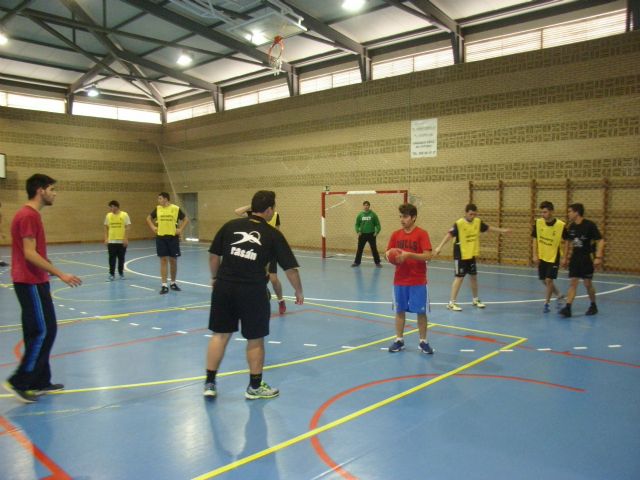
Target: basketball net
(275, 54)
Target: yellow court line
(119, 315)
(351, 416)
(431, 324)
(227, 374)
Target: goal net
(339, 212)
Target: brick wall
(571, 112)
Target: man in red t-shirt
(30, 271)
(410, 280)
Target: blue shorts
(414, 299)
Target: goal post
(348, 216)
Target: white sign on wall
(424, 138)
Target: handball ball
(392, 256)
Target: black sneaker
(3, 264)
(164, 290)
(175, 287)
(355, 264)
(52, 387)
(565, 311)
(592, 310)
(25, 396)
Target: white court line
(134, 324)
(579, 348)
(143, 288)
(614, 346)
(310, 344)
(369, 302)
(156, 328)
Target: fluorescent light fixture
(93, 92)
(3, 38)
(184, 59)
(353, 5)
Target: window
(35, 103)
(435, 59)
(392, 68)
(116, 113)
(94, 110)
(603, 25)
(176, 115)
(269, 94)
(586, 29)
(241, 100)
(191, 112)
(331, 80)
(137, 115)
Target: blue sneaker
(546, 308)
(396, 346)
(425, 348)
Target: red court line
(321, 452)
(57, 473)
(17, 349)
(523, 347)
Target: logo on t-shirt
(251, 237)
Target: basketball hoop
(275, 54)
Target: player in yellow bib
(547, 240)
(167, 221)
(466, 248)
(116, 237)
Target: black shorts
(168, 245)
(463, 267)
(247, 304)
(581, 268)
(548, 269)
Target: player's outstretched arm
(444, 241)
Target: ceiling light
(353, 5)
(93, 92)
(3, 38)
(184, 59)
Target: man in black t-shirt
(584, 238)
(240, 296)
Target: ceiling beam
(12, 13)
(437, 16)
(203, 31)
(114, 50)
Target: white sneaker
(478, 303)
(263, 391)
(210, 389)
(454, 307)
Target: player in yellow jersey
(167, 221)
(116, 237)
(466, 248)
(547, 241)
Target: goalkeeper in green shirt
(367, 228)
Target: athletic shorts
(168, 246)
(463, 267)
(414, 298)
(581, 268)
(548, 269)
(244, 304)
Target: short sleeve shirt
(27, 223)
(410, 272)
(246, 246)
(582, 238)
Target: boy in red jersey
(30, 270)
(410, 280)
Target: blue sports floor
(510, 392)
